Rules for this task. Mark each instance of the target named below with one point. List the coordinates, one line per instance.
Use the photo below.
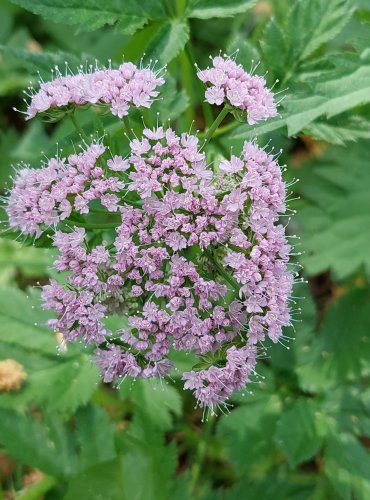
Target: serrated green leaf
(37, 444)
(68, 385)
(30, 261)
(247, 434)
(334, 355)
(95, 435)
(173, 103)
(274, 50)
(347, 466)
(269, 487)
(168, 41)
(311, 23)
(327, 92)
(361, 4)
(347, 405)
(143, 455)
(8, 142)
(206, 9)
(40, 62)
(246, 53)
(341, 130)
(297, 432)
(334, 91)
(33, 141)
(308, 25)
(159, 400)
(92, 14)
(118, 479)
(102, 481)
(336, 211)
(351, 313)
(23, 322)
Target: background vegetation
(301, 431)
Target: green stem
(235, 285)
(206, 108)
(222, 130)
(201, 454)
(187, 84)
(77, 126)
(180, 8)
(212, 129)
(128, 127)
(87, 225)
(168, 6)
(38, 490)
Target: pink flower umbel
(117, 88)
(195, 258)
(229, 83)
(45, 196)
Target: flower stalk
(217, 122)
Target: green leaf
(92, 14)
(349, 409)
(327, 92)
(341, 130)
(308, 25)
(174, 101)
(30, 261)
(143, 455)
(347, 465)
(23, 322)
(362, 4)
(206, 9)
(36, 444)
(40, 62)
(311, 23)
(284, 361)
(274, 50)
(160, 400)
(106, 480)
(58, 384)
(33, 141)
(95, 434)
(336, 211)
(334, 355)
(269, 487)
(68, 385)
(351, 313)
(334, 91)
(246, 53)
(298, 431)
(247, 433)
(146, 455)
(168, 41)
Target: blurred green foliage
(302, 429)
